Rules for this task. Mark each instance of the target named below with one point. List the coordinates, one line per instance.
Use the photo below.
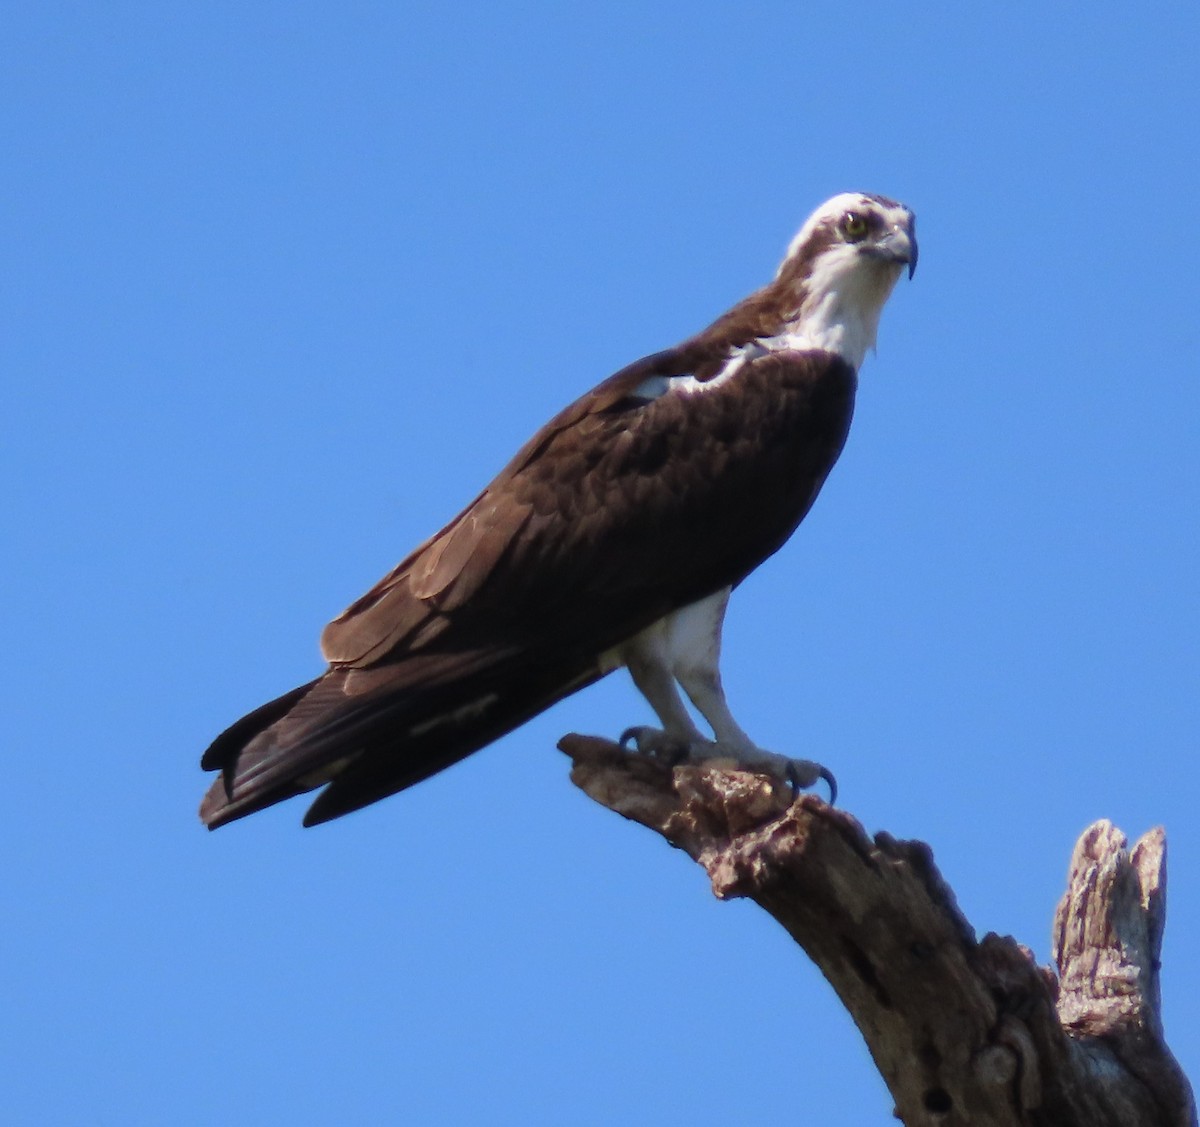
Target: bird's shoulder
(410, 602)
(559, 494)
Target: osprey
(613, 538)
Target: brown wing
(617, 511)
(621, 509)
(411, 604)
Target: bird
(613, 538)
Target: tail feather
(455, 736)
(218, 808)
(292, 745)
(367, 745)
(223, 752)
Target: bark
(964, 1031)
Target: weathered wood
(964, 1031)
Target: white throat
(840, 313)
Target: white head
(840, 269)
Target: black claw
(798, 784)
(660, 746)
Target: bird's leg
(694, 640)
(703, 687)
(646, 660)
(683, 649)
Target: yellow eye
(854, 226)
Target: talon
(655, 744)
(802, 774)
(831, 782)
(635, 736)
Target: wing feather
(459, 559)
(621, 509)
(604, 503)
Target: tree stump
(964, 1031)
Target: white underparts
(683, 650)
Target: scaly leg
(685, 647)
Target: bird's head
(855, 233)
(840, 269)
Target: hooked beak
(900, 245)
(912, 245)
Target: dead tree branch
(964, 1031)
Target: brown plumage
(631, 503)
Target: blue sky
(285, 283)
